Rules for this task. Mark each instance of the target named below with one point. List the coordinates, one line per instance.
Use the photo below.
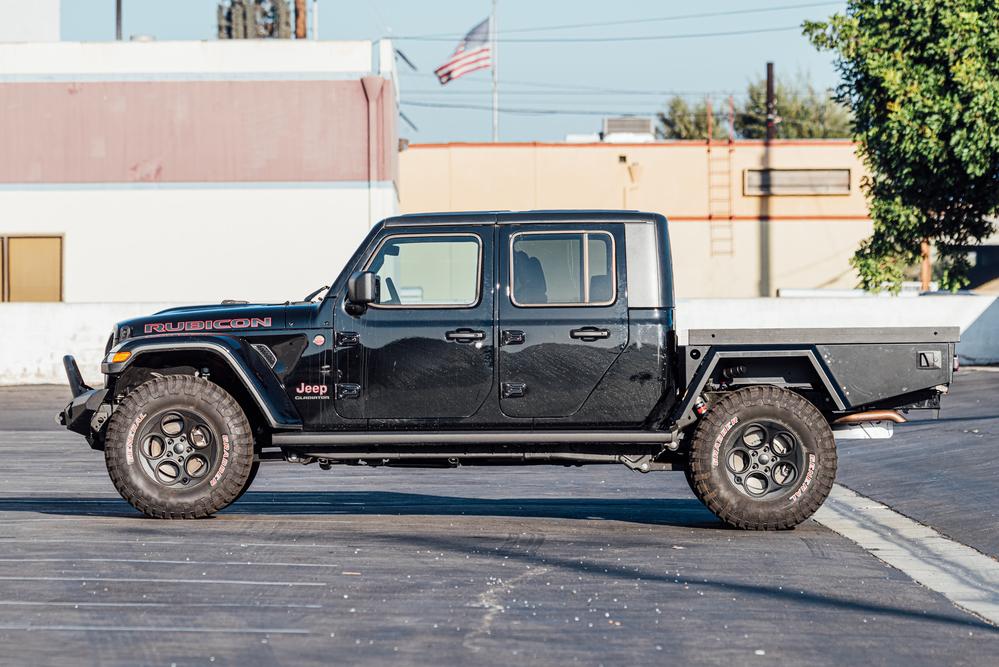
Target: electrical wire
(720, 116)
(656, 19)
(632, 38)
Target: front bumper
(79, 414)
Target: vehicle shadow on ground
(679, 512)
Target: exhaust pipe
(871, 416)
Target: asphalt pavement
(541, 565)
(942, 472)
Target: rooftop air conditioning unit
(629, 129)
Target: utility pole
(731, 118)
(300, 13)
(315, 19)
(764, 201)
(925, 266)
(117, 20)
(492, 33)
(771, 105)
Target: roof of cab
(520, 217)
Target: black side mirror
(363, 288)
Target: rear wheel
(762, 458)
(179, 446)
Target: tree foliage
(681, 120)
(803, 112)
(921, 78)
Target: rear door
(563, 314)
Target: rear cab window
(572, 268)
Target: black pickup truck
(497, 338)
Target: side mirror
(363, 288)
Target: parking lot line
(230, 582)
(29, 627)
(966, 577)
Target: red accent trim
(778, 143)
(741, 218)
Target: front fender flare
(262, 385)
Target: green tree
(802, 112)
(681, 120)
(922, 80)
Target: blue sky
(582, 77)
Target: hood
(222, 319)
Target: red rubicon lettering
(207, 325)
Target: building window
(763, 182)
(428, 271)
(563, 269)
(31, 268)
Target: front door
(563, 315)
(427, 346)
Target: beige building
(747, 218)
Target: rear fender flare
(685, 412)
(259, 381)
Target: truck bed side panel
(872, 372)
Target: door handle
(589, 334)
(465, 335)
(512, 337)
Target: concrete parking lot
(589, 566)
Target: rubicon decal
(307, 392)
(208, 325)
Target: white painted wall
(260, 242)
(117, 60)
(36, 336)
(977, 316)
(29, 21)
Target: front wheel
(179, 447)
(762, 458)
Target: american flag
(473, 53)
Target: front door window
(428, 271)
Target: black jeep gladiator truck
(497, 338)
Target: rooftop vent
(629, 129)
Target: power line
(518, 110)
(634, 38)
(657, 19)
(721, 115)
(553, 86)
(593, 93)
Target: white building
(190, 171)
(29, 20)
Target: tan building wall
(724, 238)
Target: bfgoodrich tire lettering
(179, 447)
(750, 441)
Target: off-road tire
(222, 485)
(711, 481)
(249, 480)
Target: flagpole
(495, 54)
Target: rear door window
(563, 269)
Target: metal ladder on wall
(721, 231)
